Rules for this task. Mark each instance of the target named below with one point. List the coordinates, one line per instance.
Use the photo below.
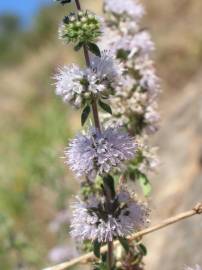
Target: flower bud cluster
(83, 27)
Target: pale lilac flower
(98, 153)
(106, 67)
(131, 8)
(75, 85)
(138, 44)
(141, 43)
(92, 221)
(151, 119)
(69, 86)
(148, 154)
(148, 80)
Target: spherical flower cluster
(82, 28)
(93, 220)
(98, 153)
(76, 85)
(126, 8)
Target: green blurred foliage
(34, 184)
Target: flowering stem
(94, 103)
(87, 59)
(97, 125)
(95, 114)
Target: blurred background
(35, 186)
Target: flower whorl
(76, 85)
(98, 153)
(92, 221)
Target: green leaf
(78, 46)
(109, 181)
(122, 54)
(143, 249)
(94, 49)
(124, 243)
(105, 107)
(144, 183)
(96, 248)
(85, 114)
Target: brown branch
(90, 256)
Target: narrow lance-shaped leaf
(96, 248)
(94, 49)
(85, 114)
(142, 249)
(124, 243)
(105, 107)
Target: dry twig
(90, 256)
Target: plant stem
(97, 125)
(87, 60)
(110, 248)
(94, 103)
(78, 4)
(108, 196)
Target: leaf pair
(87, 109)
(92, 47)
